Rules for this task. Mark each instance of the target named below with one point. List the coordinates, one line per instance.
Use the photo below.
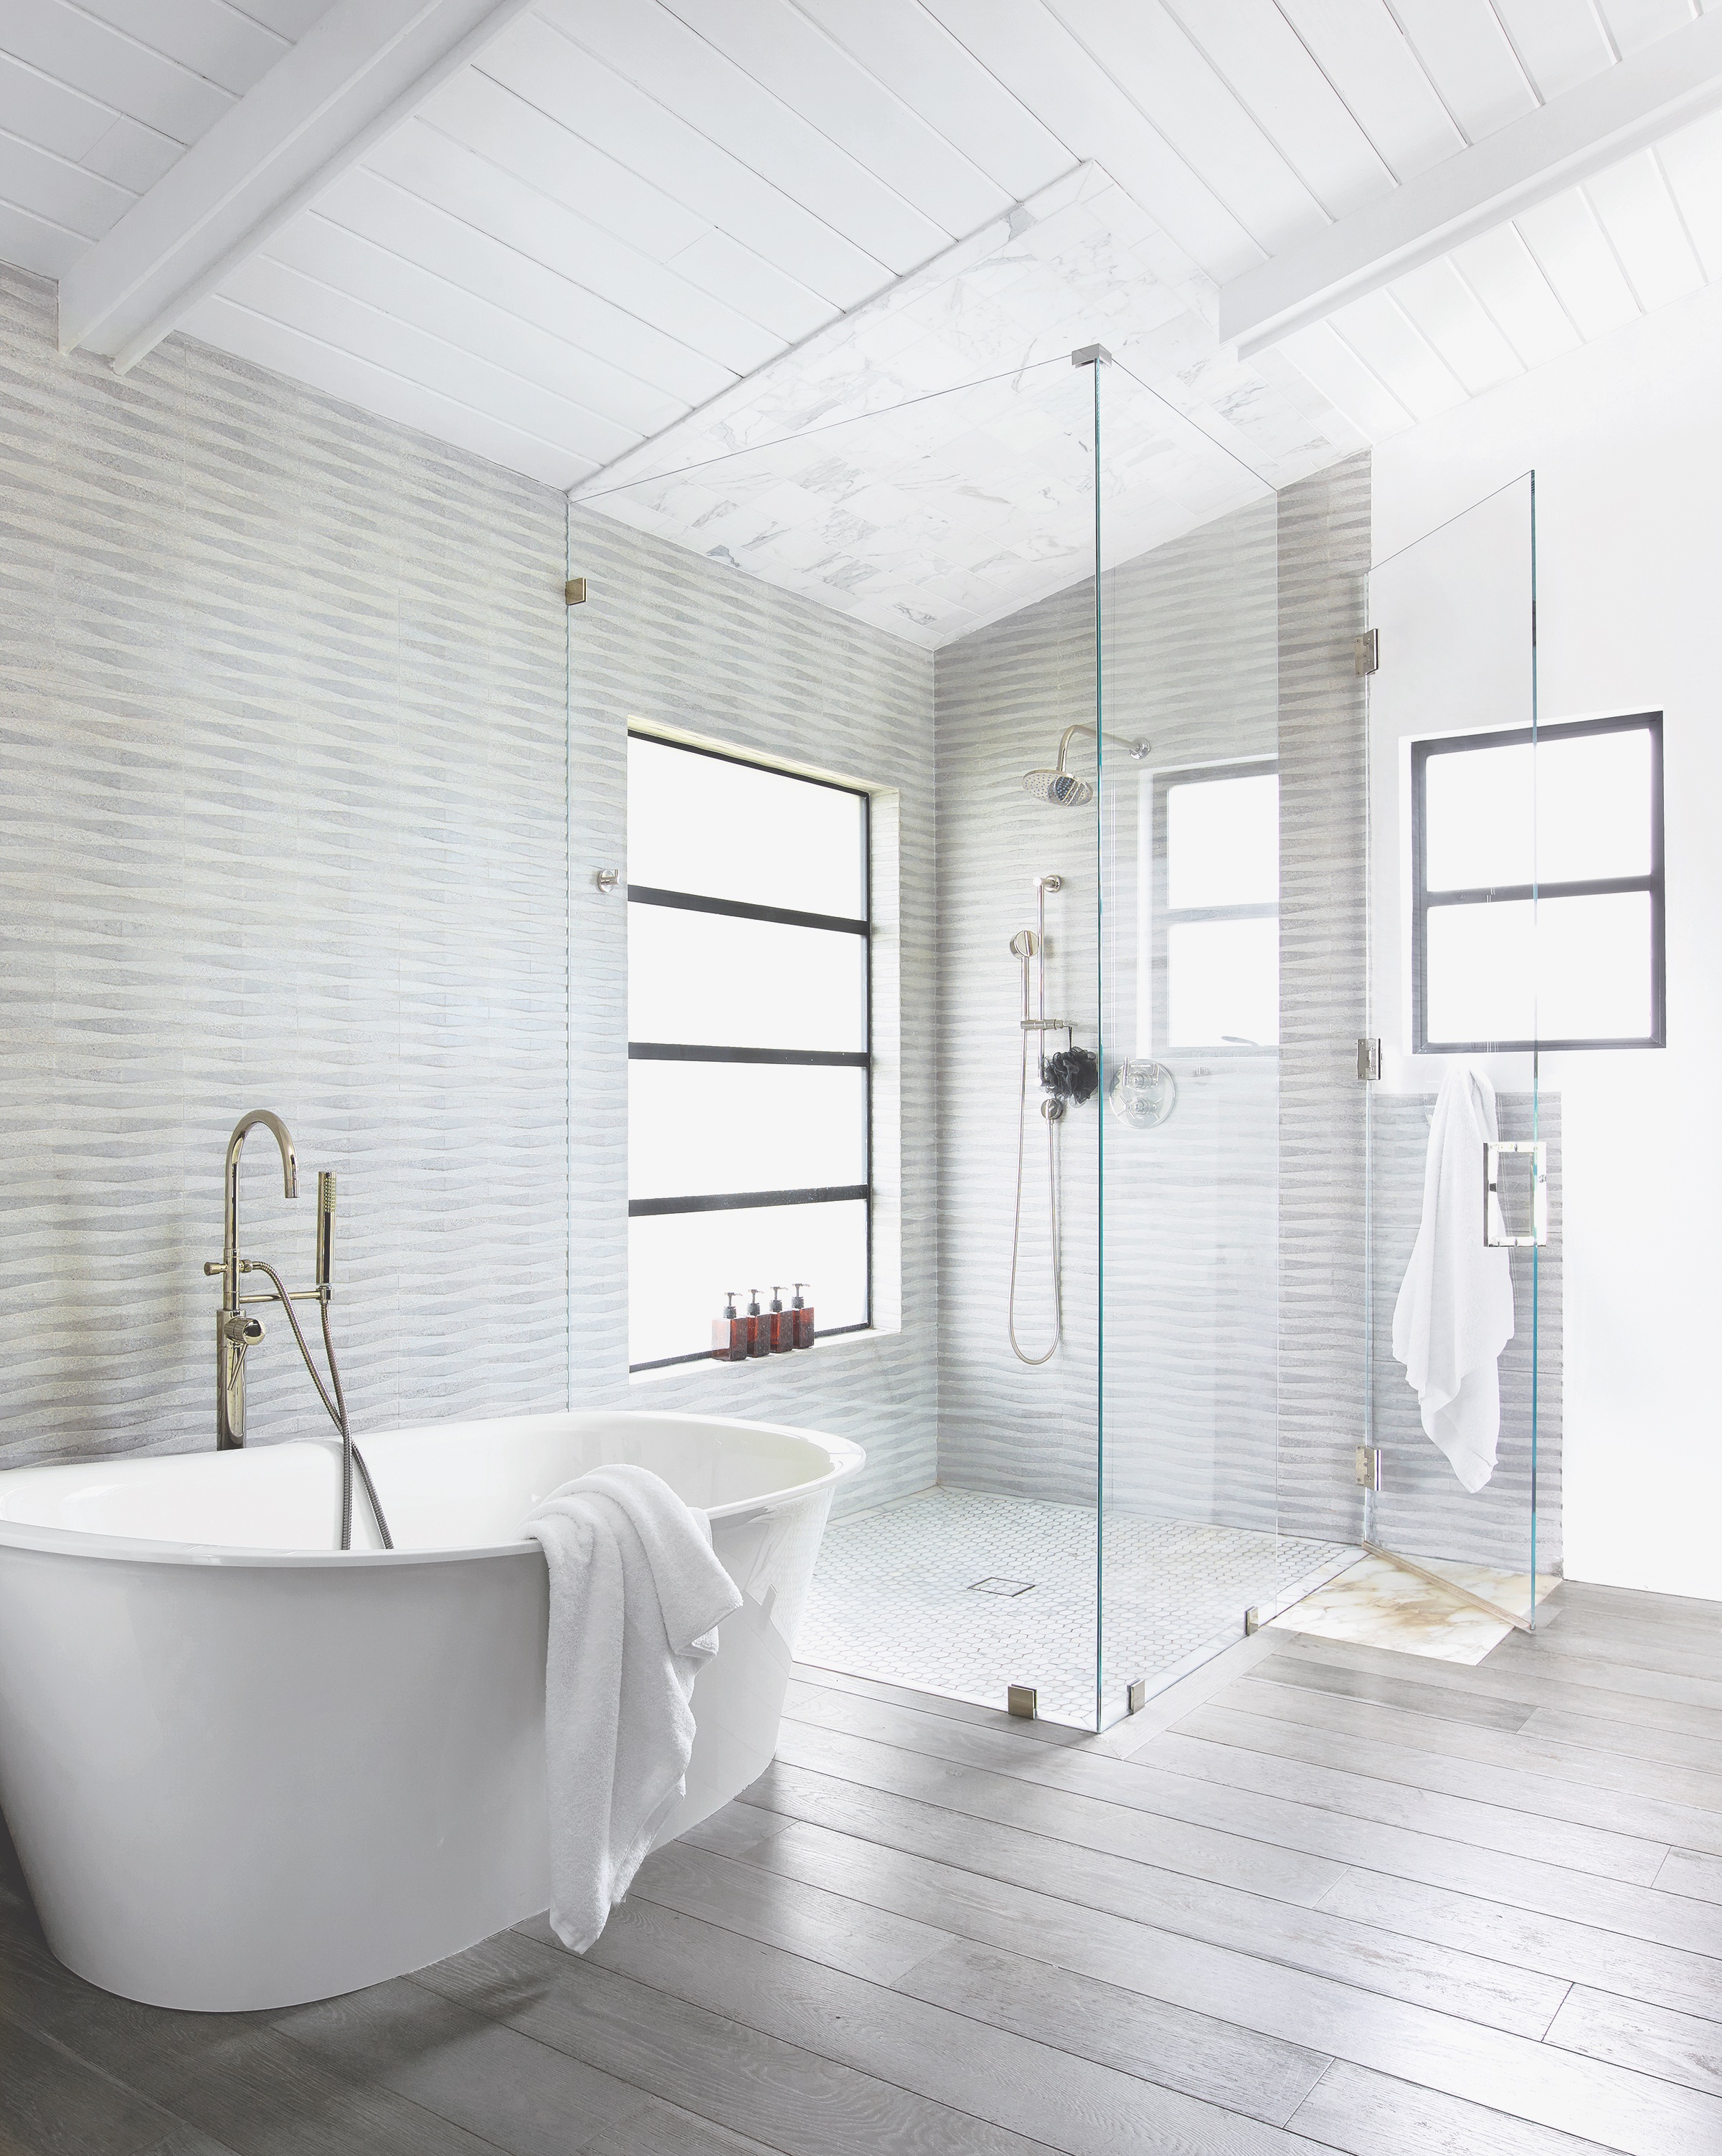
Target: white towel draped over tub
(1455, 1310)
(635, 1598)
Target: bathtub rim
(845, 1458)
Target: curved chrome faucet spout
(231, 1342)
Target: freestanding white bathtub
(243, 1769)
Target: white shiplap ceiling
(621, 210)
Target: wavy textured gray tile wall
(699, 649)
(286, 821)
(1189, 1289)
(283, 782)
(1324, 554)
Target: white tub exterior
(243, 1769)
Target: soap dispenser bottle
(758, 1327)
(783, 1324)
(729, 1333)
(801, 1317)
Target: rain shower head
(1062, 788)
(1057, 786)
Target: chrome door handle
(1494, 1224)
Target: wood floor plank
(954, 1710)
(1537, 1797)
(1368, 2114)
(1571, 1677)
(524, 2097)
(1592, 1769)
(1690, 1650)
(1069, 1815)
(1140, 2033)
(706, 2062)
(1687, 1871)
(144, 2047)
(1675, 2047)
(260, 2092)
(1219, 2057)
(1482, 1823)
(1069, 2100)
(1006, 1887)
(1636, 1604)
(1531, 1673)
(1418, 1695)
(1639, 1740)
(839, 1931)
(1268, 1821)
(663, 2129)
(1557, 1946)
(54, 2104)
(991, 2081)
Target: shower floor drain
(1002, 1587)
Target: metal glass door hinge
(1369, 1055)
(1366, 652)
(1368, 1466)
(1494, 1221)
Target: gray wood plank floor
(1324, 1897)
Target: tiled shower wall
(1235, 1234)
(1190, 1299)
(287, 819)
(284, 792)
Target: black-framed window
(1537, 892)
(750, 1054)
(1216, 909)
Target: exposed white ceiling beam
(361, 69)
(1595, 123)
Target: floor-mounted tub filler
(245, 1769)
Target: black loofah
(1073, 1074)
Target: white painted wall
(1626, 437)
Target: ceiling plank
(357, 72)
(1526, 163)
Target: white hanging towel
(635, 1598)
(1455, 1310)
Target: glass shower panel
(1471, 969)
(962, 522)
(1188, 897)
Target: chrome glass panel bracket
(1494, 1222)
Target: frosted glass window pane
(1576, 809)
(729, 830)
(706, 978)
(697, 1127)
(1593, 807)
(1223, 983)
(1593, 967)
(1222, 842)
(681, 1264)
(1583, 972)
(1481, 973)
(1479, 819)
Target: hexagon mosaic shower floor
(962, 1592)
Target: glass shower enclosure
(1463, 1003)
(1106, 789)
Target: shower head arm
(1138, 749)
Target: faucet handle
(213, 1265)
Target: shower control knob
(243, 1331)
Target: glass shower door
(1460, 1459)
(1188, 633)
